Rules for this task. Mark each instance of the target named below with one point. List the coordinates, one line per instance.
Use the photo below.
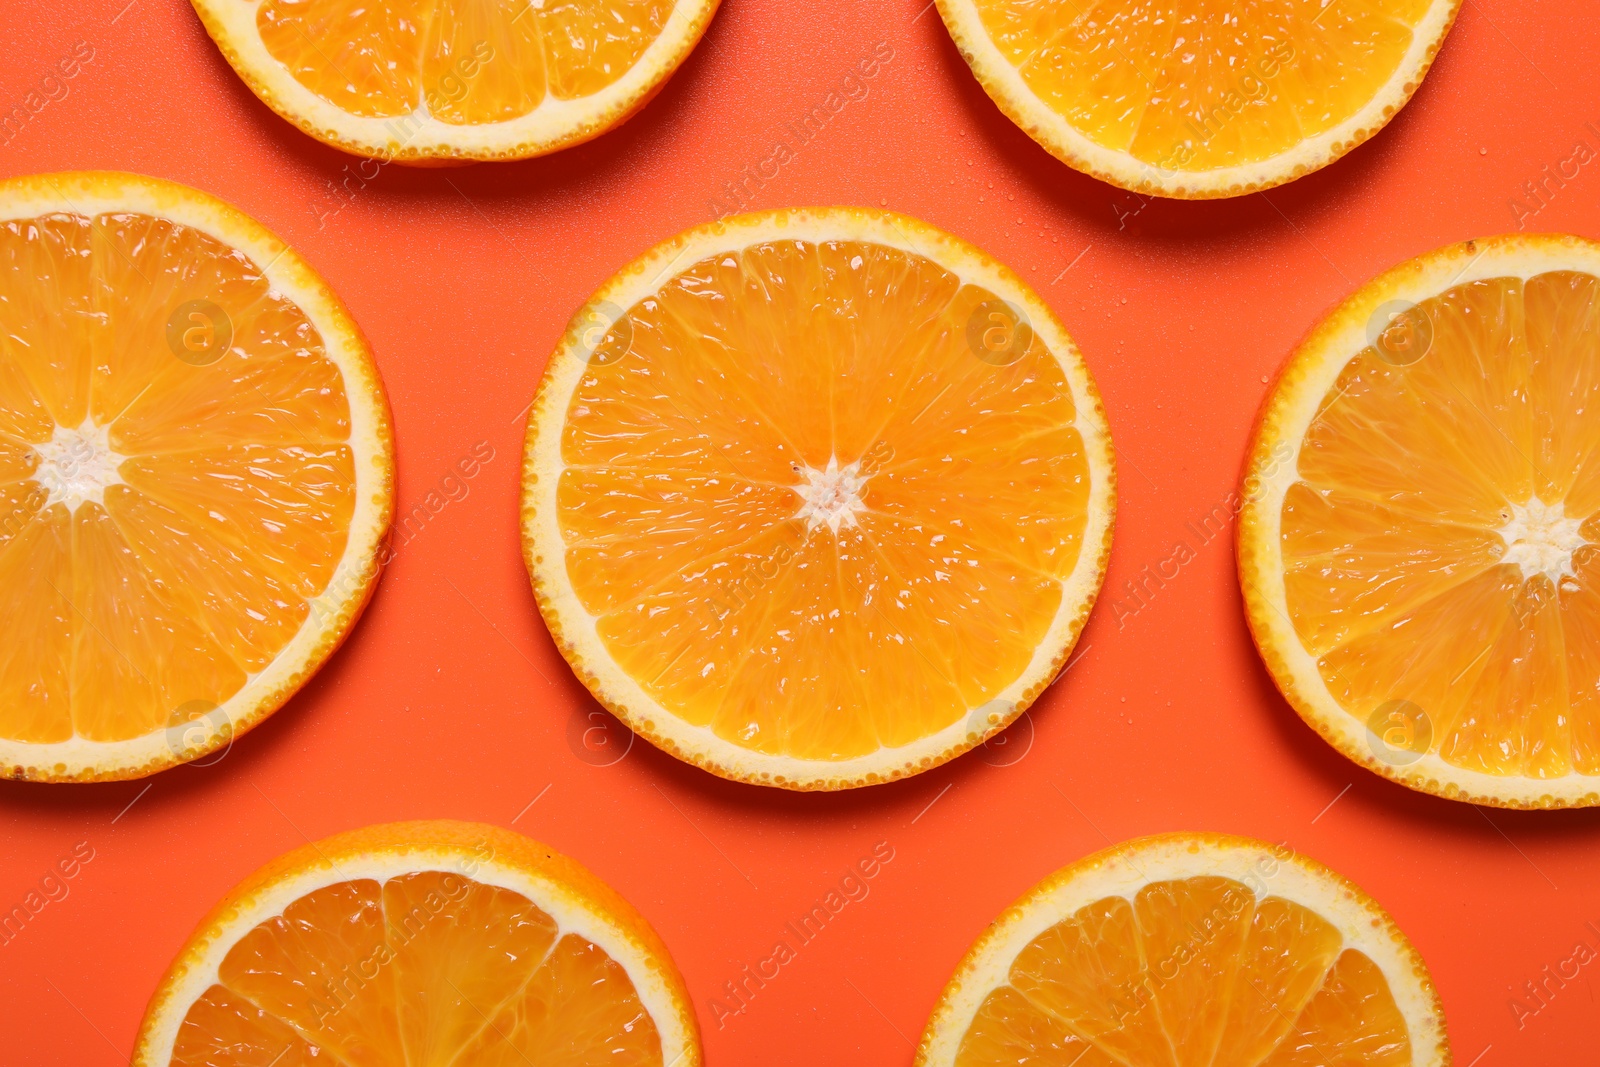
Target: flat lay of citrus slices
(816, 498)
(1418, 546)
(195, 474)
(417, 81)
(1182, 950)
(1199, 98)
(423, 944)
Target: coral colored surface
(450, 700)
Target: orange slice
(437, 80)
(428, 944)
(1418, 546)
(1199, 98)
(816, 498)
(1190, 950)
(195, 474)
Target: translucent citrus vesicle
(185, 441)
(1436, 534)
(466, 62)
(1186, 951)
(819, 508)
(1198, 98)
(424, 944)
(430, 79)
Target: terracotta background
(450, 700)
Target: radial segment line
(756, 626)
(1144, 967)
(1077, 1030)
(1374, 623)
(488, 1023)
(682, 472)
(890, 568)
(698, 562)
(393, 975)
(967, 536)
(299, 1031)
(515, 994)
(1292, 1020)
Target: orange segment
(439, 969)
(1285, 961)
(36, 665)
(1187, 951)
(137, 657)
(1058, 974)
(427, 944)
(1008, 1029)
(482, 62)
(53, 329)
(225, 1028)
(588, 44)
(1434, 539)
(1199, 97)
(464, 79)
(144, 269)
(803, 525)
(320, 968)
(278, 363)
(1352, 1019)
(578, 1008)
(184, 448)
(289, 507)
(361, 57)
(23, 415)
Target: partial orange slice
(816, 498)
(424, 944)
(1190, 950)
(1199, 98)
(1420, 542)
(195, 474)
(415, 81)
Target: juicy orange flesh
(425, 969)
(1399, 581)
(1200, 84)
(680, 509)
(1190, 973)
(147, 608)
(465, 61)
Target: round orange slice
(418, 81)
(1420, 541)
(1190, 950)
(196, 473)
(1199, 98)
(425, 943)
(816, 498)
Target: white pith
(1540, 539)
(77, 466)
(1312, 374)
(830, 497)
(1123, 870)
